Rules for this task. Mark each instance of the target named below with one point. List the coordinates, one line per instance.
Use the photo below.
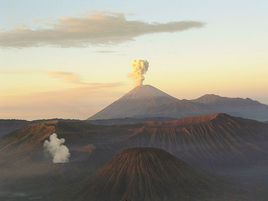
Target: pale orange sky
(51, 95)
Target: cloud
(100, 28)
(105, 51)
(73, 78)
(66, 76)
(79, 99)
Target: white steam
(139, 68)
(56, 149)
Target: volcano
(150, 174)
(146, 102)
(220, 144)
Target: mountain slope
(9, 125)
(149, 174)
(216, 140)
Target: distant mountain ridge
(212, 136)
(148, 102)
(215, 99)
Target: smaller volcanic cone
(150, 174)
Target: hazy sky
(69, 59)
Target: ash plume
(139, 69)
(56, 149)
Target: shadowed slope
(25, 141)
(9, 125)
(214, 140)
(211, 139)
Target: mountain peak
(145, 91)
(215, 117)
(209, 98)
(141, 102)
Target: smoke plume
(56, 149)
(139, 68)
